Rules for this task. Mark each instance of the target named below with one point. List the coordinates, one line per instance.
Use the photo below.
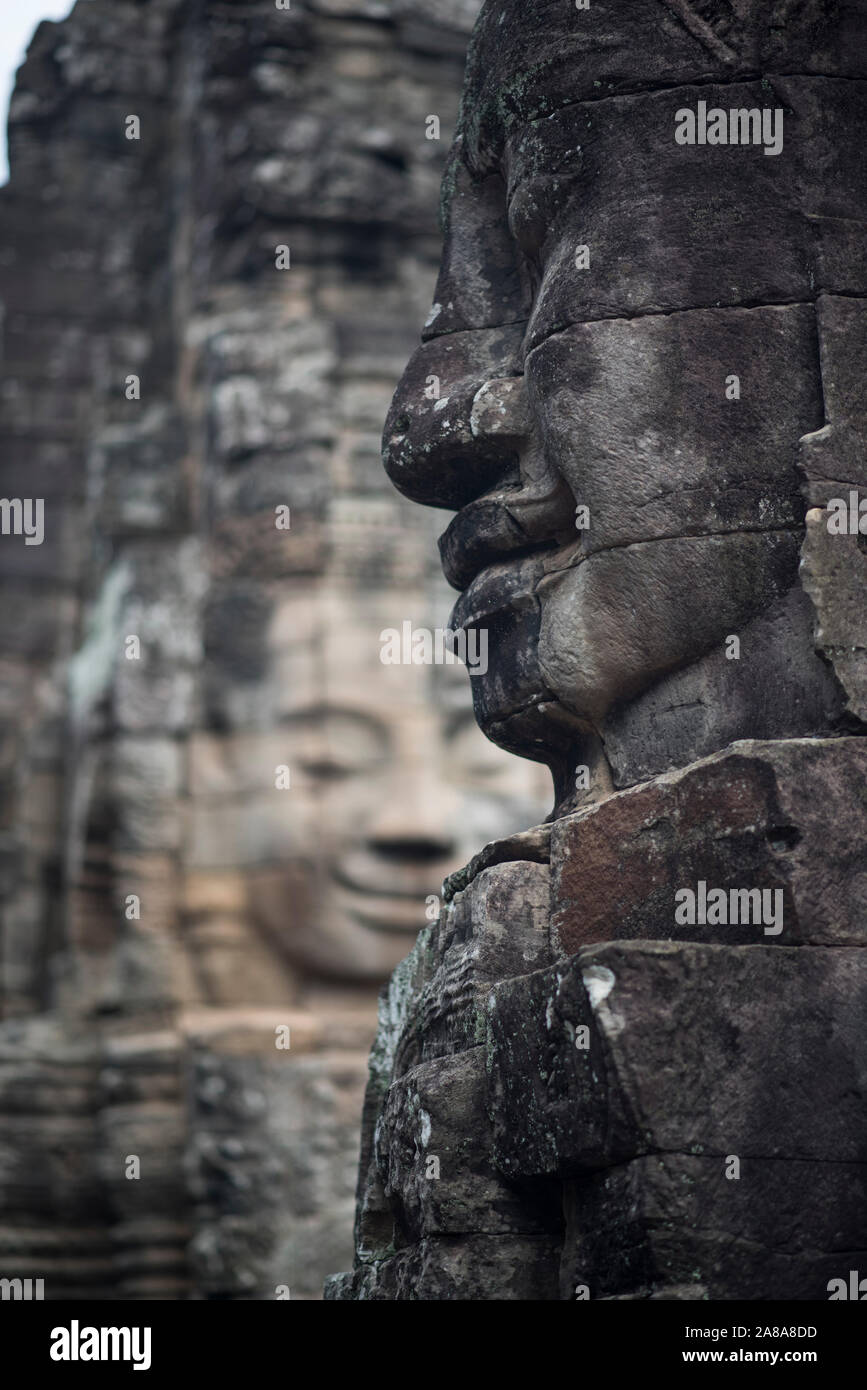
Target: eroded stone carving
(648, 350)
(166, 388)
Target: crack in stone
(735, 79)
(745, 306)
(676, 536)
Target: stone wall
(570, 1100)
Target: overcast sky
(18, 19)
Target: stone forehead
(528, 58)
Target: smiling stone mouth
(385, 911)
(386, 918)
(405, 888)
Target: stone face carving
(148, 1028)
(394, 786)
(620, 351)
(612, 1069)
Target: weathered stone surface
(693, 382)
(433, 1152)
(644, 532)
(270, 1164)
(613, 386)
(755, 816)
(169, 647)
(685, 389)
(834, 574)
(489, 1268)
(498, 929)
(674, 1226)
(695, 711)
(832, 457)
(688, 1057)
(529, 61)
(437, 432)
(688, 1100)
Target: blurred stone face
(624, 378)
(391, 787)
(391, 784)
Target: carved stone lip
(379, 912)
(509, 585)
(388, 921)
(395, 902)
(486, 533)
(370, 875)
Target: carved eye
(330, 746)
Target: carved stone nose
(501, 408)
